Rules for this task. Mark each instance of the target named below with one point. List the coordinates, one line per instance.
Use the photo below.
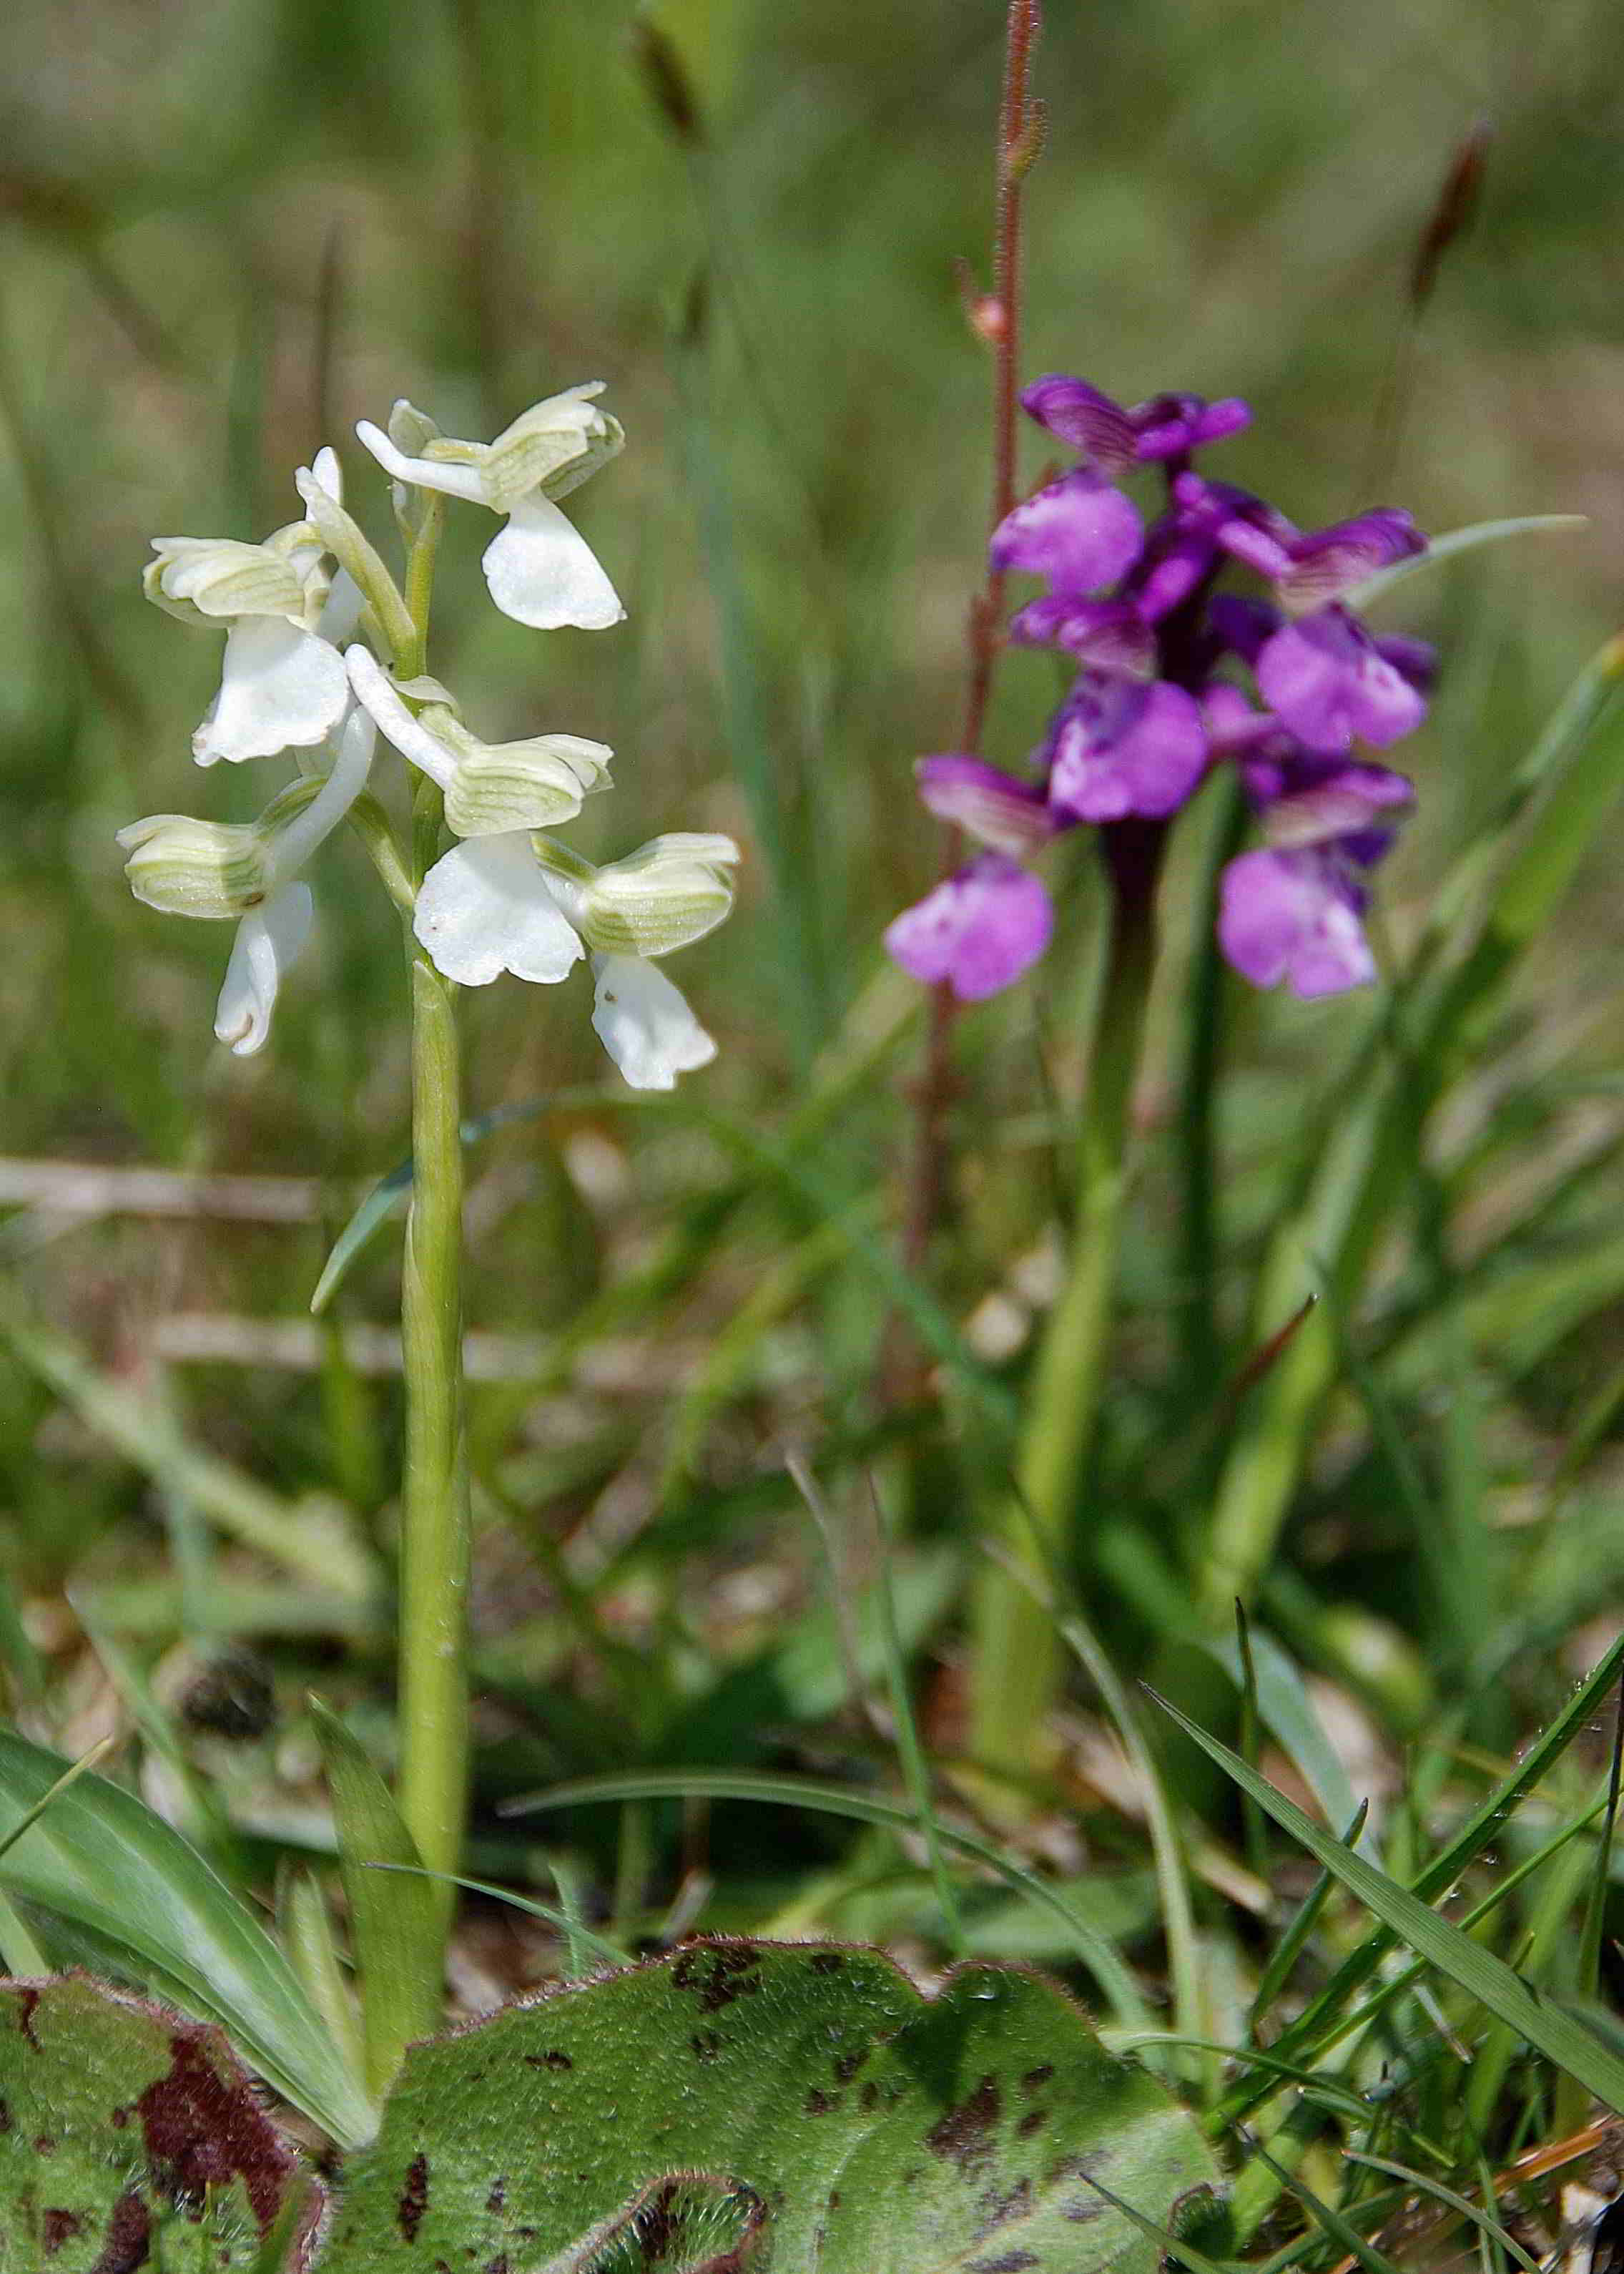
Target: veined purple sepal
(1079, 532)
(1326, 562)
(1012, 816)
(1111, 633)
(978, 930)
(1122, 746)
(1083, 419)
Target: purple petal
(1316, 801)
(1327, 680)
(1416, 660)
(979, 930)
(1169, 425)
(1079, 532)
(1122, 746)
(1234, 725)
(1328, 562)
(1294, 916)
(1243, 625)
(1240, 524)
(1010, 816)
(1108, 632)
(1080, 415)
(1173, 563)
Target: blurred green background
(230, 231)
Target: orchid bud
(533, 784)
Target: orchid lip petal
(280, 689)
(645, 1023)
(485, 909)
(268, 940)
(542, 572)
(979, 931)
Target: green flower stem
(435, 1531)
(1018, 1661)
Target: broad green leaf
(1557, 2035)
(136, 1897)
(392, 1915)
(132, 2138)
(874, 2127)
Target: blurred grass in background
(229, 233)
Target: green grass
(228, 238)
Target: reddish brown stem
(1018, 125)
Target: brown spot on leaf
(1034, 2120)
(45, 2143)
(27, 1999)
(497, 2198)
(129, 2238)
(719, 1972)
(1000, 2203)
(120, 2116)
(205, 2128)
(414, 2197)
(1035, 2079)
(1007, 2261)
(828, 1961)
(497, 2265)
(548, 2060)
(848, 2065)
(707, 2044)
(5, 2114)
(964, 2135)
(867, 2099)
(57, 2227)
(821, 2103)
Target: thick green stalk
(434, 1527)
(1017, 1660)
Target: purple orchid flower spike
(1010, 816)
(1079, 532)
(978, 930)
(1120, 746)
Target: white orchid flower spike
(283, 684)
(540, 570)
(525, 904)
(249, 870)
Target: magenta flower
(1119, 746)
(979, 931)
(1329, 681)
(1138, 609)
(1295, 916)
(1079, 532)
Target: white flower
(491, 788)
(485, 909)
(283, 684)
(525, 904)
(645, 1024)
(541, 572)
(218, 871)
